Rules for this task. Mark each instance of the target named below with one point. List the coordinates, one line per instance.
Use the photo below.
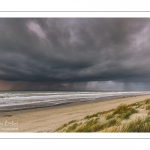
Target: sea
(19, 100)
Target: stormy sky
(96, 54)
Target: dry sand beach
(50, 118)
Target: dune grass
(97, 114)
(62, 127)
(148, 107)
(124, 111)
(65, 125)
(147, 101)
(95, 125)
(91, 116)
(90, 126)
(127, 114)
(109, 116)
(111, 120)
(122, 108)
(72, 121)
(73, 127)
(137, 125)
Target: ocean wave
(19, 100)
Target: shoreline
(48, 119)
(13, 108)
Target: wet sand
(50, 118)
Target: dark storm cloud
(60, 51)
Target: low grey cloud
(72, 53)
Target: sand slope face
(49, 119)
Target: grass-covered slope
(125, 118)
